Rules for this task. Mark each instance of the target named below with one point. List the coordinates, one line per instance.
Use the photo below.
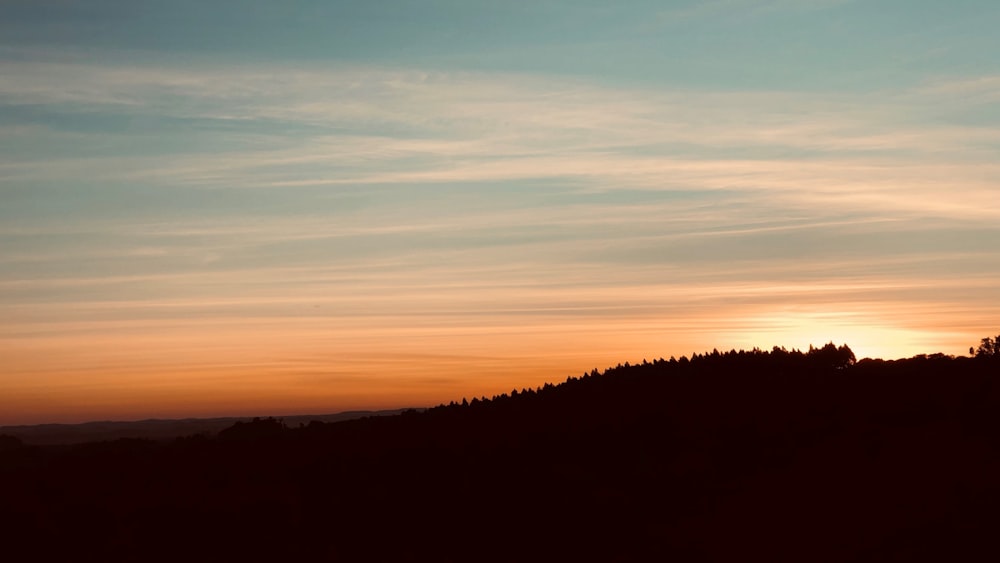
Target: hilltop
(772, 455)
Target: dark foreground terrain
(740, 456)
(154, 429)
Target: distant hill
(155, 429)
(726, 456)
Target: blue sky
(250, 207)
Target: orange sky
(310, 363)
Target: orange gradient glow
(287, 365)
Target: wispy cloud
(853, 151)
(268, 222)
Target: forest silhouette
(779, 455)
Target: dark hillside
(727, 456)
(153, 429)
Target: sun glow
(866, 335)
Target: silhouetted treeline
(740, 455)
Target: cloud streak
(331, 234)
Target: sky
(264, 208)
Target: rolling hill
(744, 455)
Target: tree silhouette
(256, 429)
(988, 348)
(833, 356)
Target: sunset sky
(264, 208)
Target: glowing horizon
(340, 205)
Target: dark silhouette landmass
(154, 428)
(727, 456)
